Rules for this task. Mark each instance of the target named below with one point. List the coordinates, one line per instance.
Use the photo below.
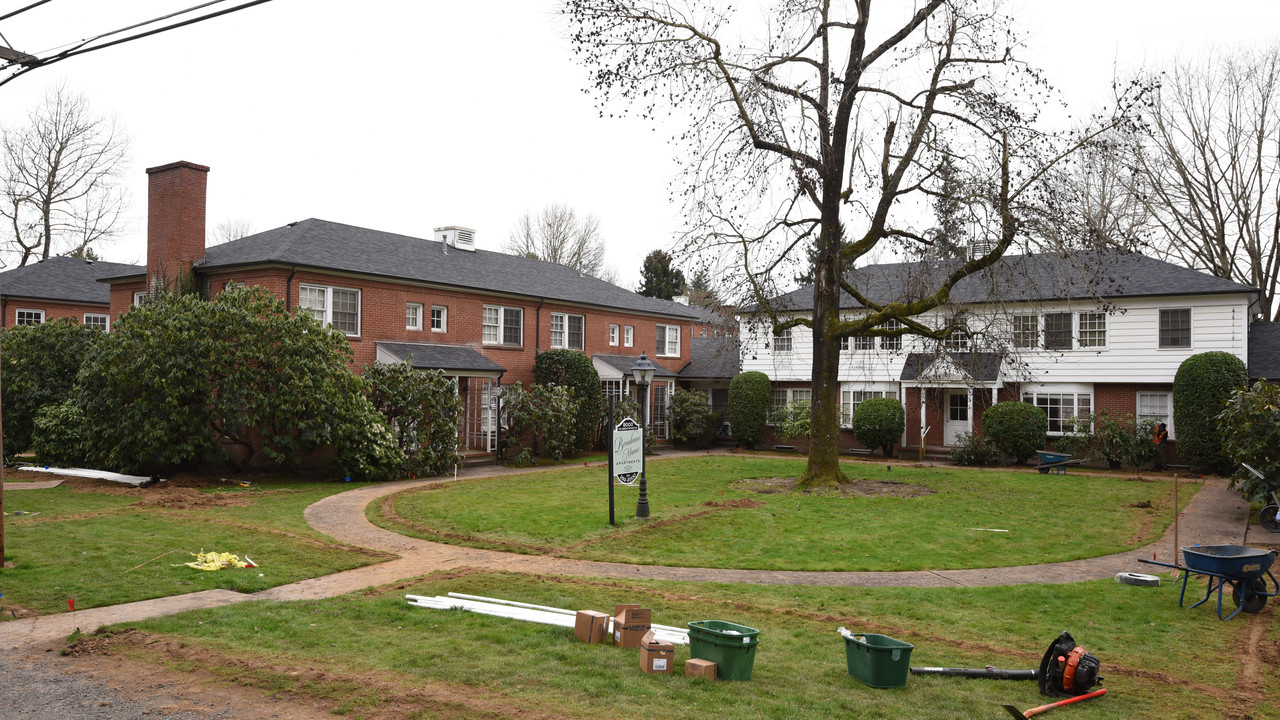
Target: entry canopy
(451, 359)
(929, 369)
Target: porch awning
(616, 367)
(952, 369)
(451, 359)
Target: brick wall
(382, 318)
(52, 310)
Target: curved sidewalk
(1215, 516)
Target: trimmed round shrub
(576, 372)
(748, 407)
(878, 423)
(1016, 429)
(1201, 388)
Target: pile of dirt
(185, 498)
(859, 487)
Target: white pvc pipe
(562, 611)
(543, 617)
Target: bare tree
(825, 135)
(60, 192)
(558, 235)
(1211, 168)
(231, 229)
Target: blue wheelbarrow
(1245, 569)
(1055, 461)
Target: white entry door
(957, 416)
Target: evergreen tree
(658, 278)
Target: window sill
(502, 347)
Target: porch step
(479, 460)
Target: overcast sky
(404, 116)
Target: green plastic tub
(730, 646)
(878, 660)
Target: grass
(86, 545)
(565, 513)
(1159, 661)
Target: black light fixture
(643, 372)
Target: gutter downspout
(537, 326)
(288, 289)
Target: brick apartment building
(478, 316)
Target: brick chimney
(175, 220)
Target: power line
(81, 49)
(19, 11)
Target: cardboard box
(630, 624)
(656, 656)
(697, 667)
(591, 626)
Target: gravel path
(34, 687)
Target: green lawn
(84, 545)
(1159, 661)
(565, 513)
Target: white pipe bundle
(529, 613)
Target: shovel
(1037, 710)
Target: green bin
(878, 660)
(730, 646)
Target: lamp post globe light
(643, 372)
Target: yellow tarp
(217, 561)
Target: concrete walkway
(1215, 516)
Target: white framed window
(851, 399)
(628, 336)
(502, 326)
(29, 317)
(782, 341)
(1066, 410)
(1092, 329)
(783, 396)
(1156, 407)
(566, 331)
(439, 318)
(893, 343)
(336, 307)
(958, 340)
(413, 316)
(140, 298)
(1057, 331)
(1026, 331)
(98, 321)
(1175, 328)
(668, 344)
(613, 335)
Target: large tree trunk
(824, 425)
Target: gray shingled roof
(624, 363)
(332, 246)
(981, 367)
(64, 278)
(712, 358)
(1037, 277)
(1264, 351)
(441, 357)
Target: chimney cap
(179, 164)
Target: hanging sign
(628, 451)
